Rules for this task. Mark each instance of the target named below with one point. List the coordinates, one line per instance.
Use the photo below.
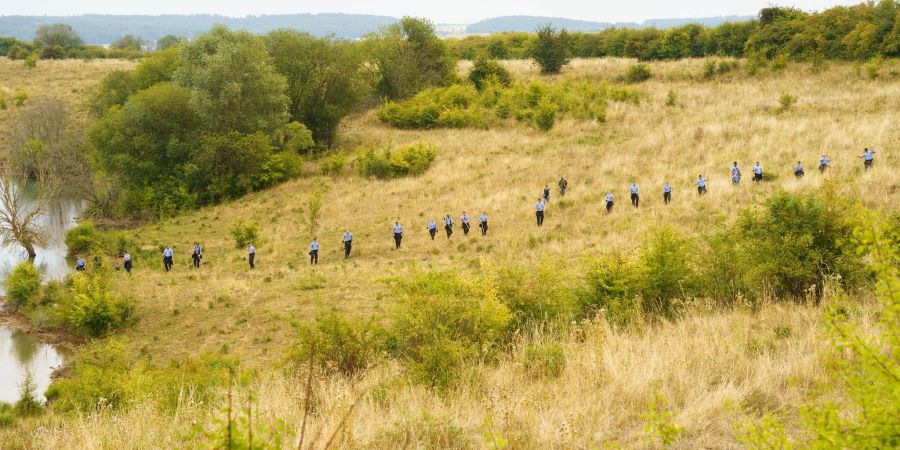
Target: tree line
(855, 32)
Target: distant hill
(103, 29)
(529, 23)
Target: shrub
(32, 59)
(245, 234)
(334, 164)
(546, 360)
(412, 160)
(785, 102)
(488, 71)
(724, 270)
(612, 285)
(541, 296)
(84, 238)
(103, 374)
(439, 323)
(545, 116)
(873, 67)
(20, 97)
(338, 344)
(294, 137)
(667, 271)
(22, 284)
(550, 49)
(797, 242)
(282, 166)
(637, 73)
(93, 310)
(27, 405)
(671, 98)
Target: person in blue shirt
(432, 228)
(563, 185)
(757, 172)
(609, 202)
(547, 193)
(251, 255)
(464, 220)
(798, 170)
(126, 261)
(635, 199)
(398, 234)
(80, 264)
(314, 252)
(348, 243)
(701, 185)
(868, 157)
(667, 193)
(735, 179)
(168, 254)
(823, 163)
(197, 254)
(539, 212)
(448, 225)
(482, 223)
(735, 173)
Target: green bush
(637, 73)
(83, 239)
(550, 49)
(93, 310)
(339, 345)
(668, 272)
(543, 296)
(334, 164)
(440, 323)
(22, 284)
(725, 269)
(785, 102)
(486, 71)
(546, 360)
(407, 161)
(612, 284)
(245, 234)
(282, 166)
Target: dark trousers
(635, 200)
(483, 226)
(313, 256)
(799, 173)
(868, 163)
(701, 190)
(757, 177)
(540, 217)
(128, 266)
(347, 246)
(250, 259)
(196, 260)
(449, 230)
(167, 263)
(562, 191)
(609, 206)
(465, 228)
(397, 238)
(432, 232)
(822, 167)
(667, 197)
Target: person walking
(398, 234)
(539, 212)
(126, 262)
(609, 202)
(547, 193)
(483, 223)
(314, 252)
(868, 157)
(348, 243)
(80, 264)
(563, 185)
(251, 255)
(448, 225)
(798, 170)
(168, 254)
(635, 198)
(701, 185)
(823, 163)
(197, 254)
(432, 228)
(667, 193)
(465, 223)
(735, 173)
(757, 172)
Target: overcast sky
(442, 11)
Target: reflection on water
(18, 352)
(51, 258)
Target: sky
(442, 11)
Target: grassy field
(705, 365)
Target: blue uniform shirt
(167, 252)
(798, 167)
(757, 169)
(79, 262)
(483, 218)
(609, 198)
(735, 177)
(869, 155)
(448, 221)
(539, 206)
(465, 219)
(634, 189)
(314, 245)
(251, 249)
(398, 228)
(824, 161)
(432, 225)
(735, 171)
(348, 237)
(667, 188)
(701, 182)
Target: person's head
(866, 149)
(798, 163)
(700, 176)
(735, 163)
(757, 163)
(315, 239)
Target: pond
(20, 351)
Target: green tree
(169, 41)
(668, 273)
(551, 49)
(233, 84)
(325, 79)
(408, 57)
(59, 34)
(127, 42)
(487, 70)
(22, 284)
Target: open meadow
(696, 376)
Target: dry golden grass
(701, 365)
